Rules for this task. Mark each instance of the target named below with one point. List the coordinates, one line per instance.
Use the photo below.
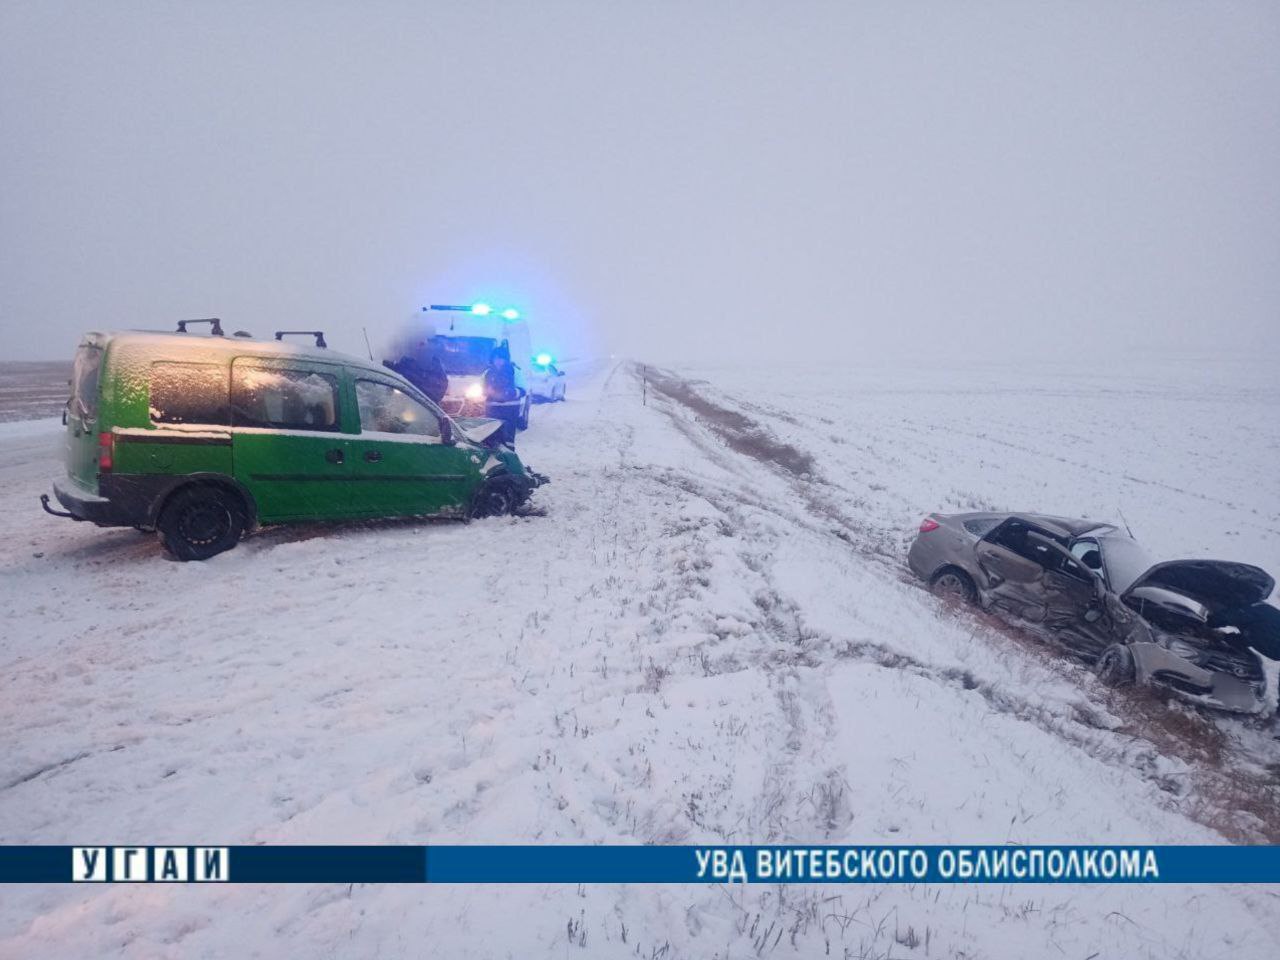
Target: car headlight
(1188, 651)
(475, 392)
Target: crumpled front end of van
(504, 462)
(484, 431)
(506, 486)
(487, 432)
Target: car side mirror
(446, 431)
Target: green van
(203, 437)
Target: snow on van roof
(157, 339)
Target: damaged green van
(203, 437)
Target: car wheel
(1115, 667)
(954, 584)
(200, 522)
(493, 500)
(522, 423)
(561, 397)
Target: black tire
(200, 522)
(1115, 666)
(954, 584)
(522, 422)
(494, 499)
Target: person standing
(501, 395)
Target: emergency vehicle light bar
(479, 309)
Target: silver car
(1199, 628)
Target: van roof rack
(318, 334)
(215, 325)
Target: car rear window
(84, 381)
(981, 527)
(189, 393)
(283, 398)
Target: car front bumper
(1163, 668)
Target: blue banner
(640, 864)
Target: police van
(465, 338)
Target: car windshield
(1125, 561)
(463, 356)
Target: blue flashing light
(481, 309)
(510, 314)
(543, 359)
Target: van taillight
(927, 524)
(106, 450)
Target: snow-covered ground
(707, 635)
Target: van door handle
(373, 456)
(335, 456)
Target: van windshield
(84, 382)
(463, 356)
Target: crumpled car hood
(477, 429)
(1215, 584)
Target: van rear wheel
(200, 522)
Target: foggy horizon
(716, 182)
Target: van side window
(189, 393)
(385, 409)
(282, 398)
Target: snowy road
(707, 636)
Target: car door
(1014, 571)
(287, 444)
(402, 463)
(1073, 596)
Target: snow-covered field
(707, 635)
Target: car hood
(477, 429)
(1215, 584)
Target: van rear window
(189, 393)
(84, 382)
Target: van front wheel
(200, 522)
(494, 499)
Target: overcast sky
(669, 180)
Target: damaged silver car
(1198, 628)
